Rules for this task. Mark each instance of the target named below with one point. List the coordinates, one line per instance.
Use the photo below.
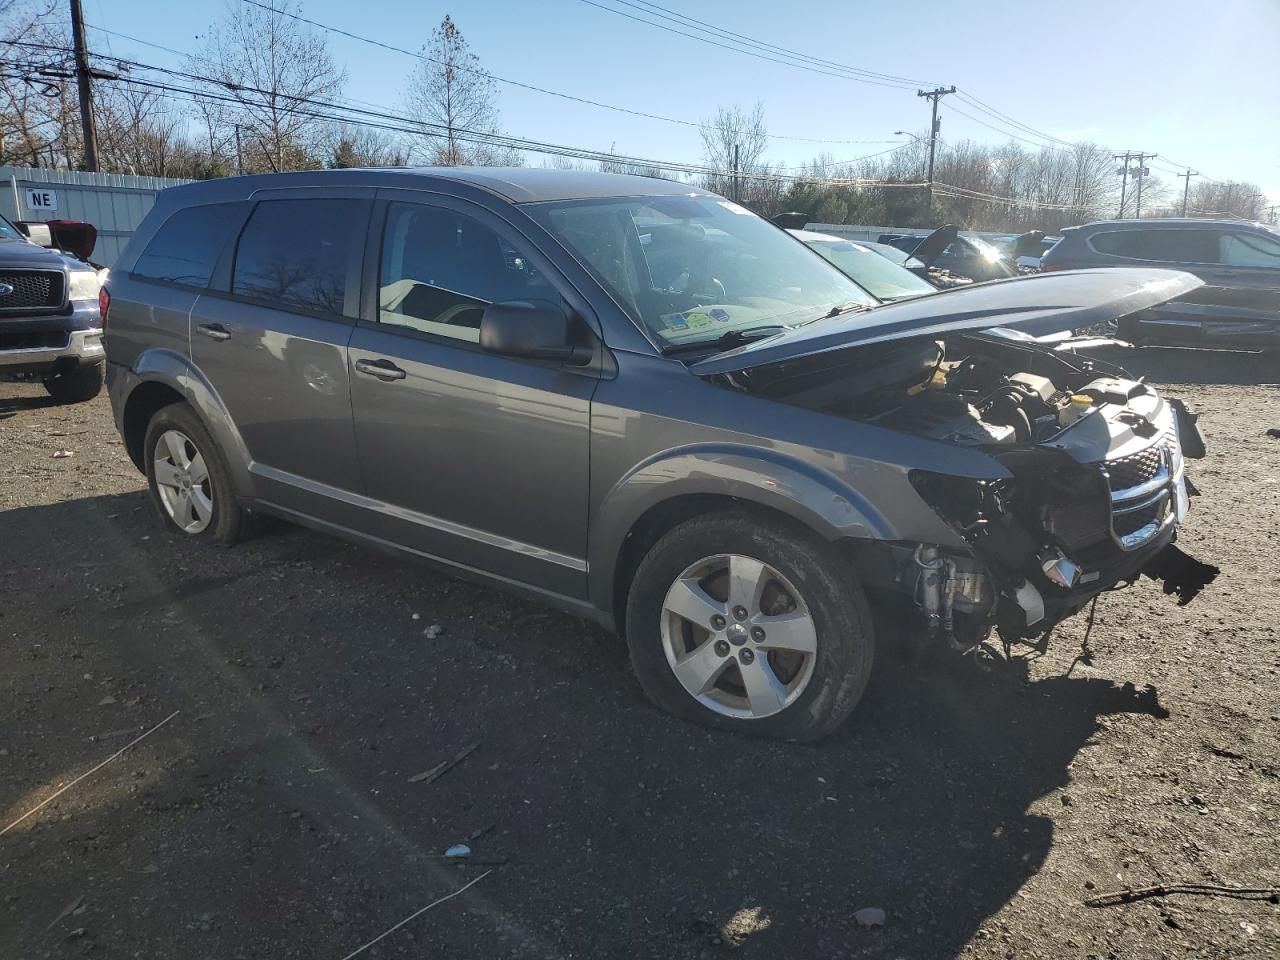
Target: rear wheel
(188, 478)
(745, 623)
(77, 385)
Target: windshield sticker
(697, 320)
(675, 321)
(734, 208)
(721, 316)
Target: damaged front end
(1095, 504)
(1081, 486)
(1093, 484)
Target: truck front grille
(30, 290)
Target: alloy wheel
(182, 480)
(738, 636)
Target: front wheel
(746, 623)
(77, 385)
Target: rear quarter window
(186, 247)
(1166, 246)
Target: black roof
(515, 184)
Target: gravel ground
(274, 816)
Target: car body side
(660, 441)
(1237, 306)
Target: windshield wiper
(730, 338)
(840, 308)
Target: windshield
(886, 280)
(692, 269)
(8, 231)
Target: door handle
(382, 369)
(214, 331)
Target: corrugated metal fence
(115, 203)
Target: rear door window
(1171, 245)
(440, 269)
(301, 254)
(186, 247)
(1250, 250)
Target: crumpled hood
(1039, 304)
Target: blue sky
(1197, 83)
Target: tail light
(104, 304)
(1049, 267)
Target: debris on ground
(74, 908)
(63, 454)
(457, 851)
(870, 917)
(427, 776)
(433, 631)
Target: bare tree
(734, 132)
(355, 146)
(274, 66)
(451, 91)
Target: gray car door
(271, 339)
(478, 459)
(1250, 269)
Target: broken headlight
(963, 502)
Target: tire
(78, 385)
(197, 498)
(795, 695)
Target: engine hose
(1007, 405)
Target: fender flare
(174, 370)
(814, 497)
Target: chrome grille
(1143, 486)
(1135, 469)
(30, 289)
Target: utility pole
(86, 90)
(1124, 181)
(1141, 173)
(934, 96)
(239, 155)
(736, 191)
(1186, 187)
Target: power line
(667, 14)
(516, 83)
(737, 49)
(384, 112)
(392, 122)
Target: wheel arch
(160, 378)
(668, 490)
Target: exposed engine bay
(1095, 490)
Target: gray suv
(642, 403)
(1239, 262)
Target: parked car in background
(51, 312)
(945, 249)
(643, 403)
(1025, 250)
(885, 280)
(1237, 260)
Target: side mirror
(534, 329)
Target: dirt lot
(273, 817)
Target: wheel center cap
(737, 634)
